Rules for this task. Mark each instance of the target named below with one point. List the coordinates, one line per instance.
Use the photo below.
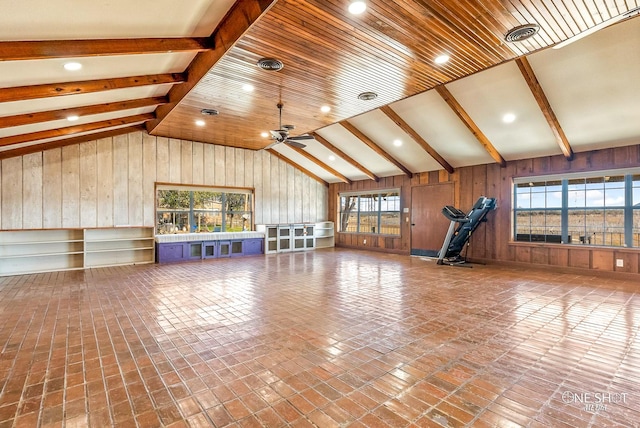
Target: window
(184, 210)
(372, 212)
(599, 209)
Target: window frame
(629, 237)
(378, 212)
(192, 211)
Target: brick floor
(324, 338)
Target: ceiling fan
(281, 135)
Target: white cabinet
(118, 246)
(281, 238)
(324, 234)
(48, 250)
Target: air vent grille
(522, 32)
(270, 64)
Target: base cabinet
(199, 250)
(280, 238)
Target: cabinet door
(236, 248)
(252, 246)
(209, 249)
(170, 252)
(195, 250)
(224, 248)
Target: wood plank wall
(111, 182)
(492, 241)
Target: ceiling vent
(367, 96)
(521, 32)
(209, 112)
(270, 64)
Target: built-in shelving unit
(118, 246)
(325, 234)
(49, 250)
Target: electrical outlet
(619, 263)
(364, 242)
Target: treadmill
(461, 228)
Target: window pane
(614, 197)
(348, 214)
(390, 223)
(614, 228)
(577, 193)
(577, 224)
(368, 223)
(237, 212)
(594, 228)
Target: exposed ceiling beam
(236, 22)
(373, 146)
(321, 164)
(46, 116)
(34, 148)
(47, 49)
(417, 138)
(545, 106)
(76, 129)
(19, 93)
(296, 166)
(344, 156)
(466, 119)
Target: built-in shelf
(325, 234)
(48, 250)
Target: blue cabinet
(209, 249)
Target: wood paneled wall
(492, 241)
(111, 182)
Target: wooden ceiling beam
(296, 166)
(416, 137)
(47, 49)
(47, 116)
(344, 156)
(470, 124)
(321, 164)
(76, 129)
(19, 93)
(545, 106)
(21, 151)
(241, 16)
(373, 146)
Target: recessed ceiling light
(72, 118)
(200, 122)
(247, 87)
(332, 158)
(325, 109)
(264, 134)
(442, 59)
(397, 143)
(209, 112)
(357, 7)
(509, 118)
(72, 66)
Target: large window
(185, 210)
(372, 212)
(594, 209)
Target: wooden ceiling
(160, 71)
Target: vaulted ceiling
(156, 65)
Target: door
(428, 225)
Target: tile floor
(325, 338)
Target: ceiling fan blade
(294, 143)
(301, 137)
(275, 142)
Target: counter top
(214, 236)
